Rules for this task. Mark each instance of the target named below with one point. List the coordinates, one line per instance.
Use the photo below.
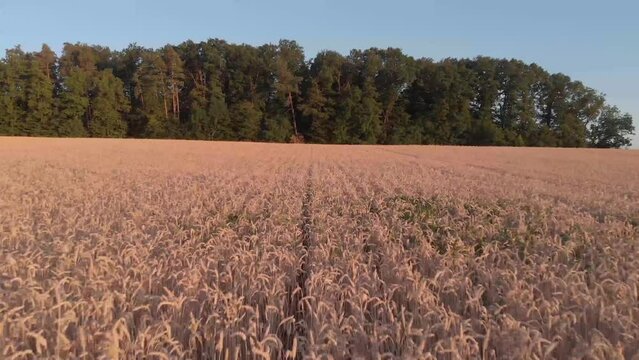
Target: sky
(595, 42)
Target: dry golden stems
(173, 249)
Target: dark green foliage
(38, 101)
(366, 117)
(40, 93)
(218, 124)
(277, 127)
(214, 90)
(12, 95)
(247, 119)
(440, 99)
(108, 105)
(612, 129)
(73, 104)
(152, 97)
(316, 109)
(396, 73)
(7, 116)
(485, 132)
(288, 70)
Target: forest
(215, 90)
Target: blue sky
(596, 42)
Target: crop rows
(168, 249)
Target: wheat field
(141, 249)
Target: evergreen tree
(108, 107)
(47, 60)
(440, 98)
(126, 65)
(215, 90)
(151, 91)
(8, 112)
(12, 104)
(78, 67)
(365, 124)
(344, 110)
(327, 99)
(405, 130)
(174, 79)
(219, 119)
(6, 127)
(396, 73)
(366, 116)
(79, 56)
(38, 98)
(206, 101)
(195, 102)
(289, 65)
(247, 120)
(315, 109)
(73, 104)
(248, 74)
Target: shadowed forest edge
(214, 90)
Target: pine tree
(48, 62)
(8, 117)
(325, 93)
(218, 115)
(342, 127)
(125, 66)
(314, 107)
(73, 104)
(290, 61)
(12, 100)
(39, 98)
(198, 120)
(174, 78)
(396, 73)
(366, 117)
(405, 130)
(440, 100)
(216, 90)
(153, 94)
(210, 119)
(78, 68)
(247, 121)
(108, 106)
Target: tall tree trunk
(387, 112)
(166, 107)
(173, 102)
(177, 103)
(290, 103)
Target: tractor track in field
(298, 291)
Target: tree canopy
(215, 90)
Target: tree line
(214, 90)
